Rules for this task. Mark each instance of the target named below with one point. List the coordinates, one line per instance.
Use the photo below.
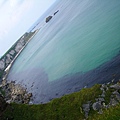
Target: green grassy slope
(67, 107)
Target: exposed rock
(118, 97)
(4, 82)
(113, 102)
(9, 56)
(31, 103)
(15, 93)
(100, 111)
(18, 47)
(30, 95)
(56, 12)
(107, 106)
(2, 65)
(8, 61)
(8, 101)
(115, 93)
(97, 106)
(103, 86)
(86, 109)
(112, 80)
(108, 83)
(100, 99)
(100, 102)
(12, 52)
(85, 87)
(48, 19)
(115, 86)
(103, 94)
(103, 104)
(22, 42)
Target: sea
(77, 48)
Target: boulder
(115, 86)
(12, 52)
(2, 65)
(113, 102)
(115, 93)
(103, 94)
(118, 97)
(86, 109)
(15, 93)
(48, 19)
(56, 12)
(18, 47)
(100, 99)
(97, 106)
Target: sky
(16, 17)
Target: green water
(80, 38)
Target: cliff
(101, 102)
(9, 56)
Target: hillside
(70, 107)
(15, 49)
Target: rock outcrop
(2, 64)
(100, 103)
(15, 93)
(56, 12)
(86, 108)
(13, 51)
(48, 19)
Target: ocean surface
(78, 47)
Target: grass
(1, 74)
(112, 113)
(2, 92)
(67, 107)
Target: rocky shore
(105, 100)
(90, 101)
(14, 93)
(10, 92)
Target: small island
(48, 19)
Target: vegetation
(2, 92)
(27, 36)
(67, 107)
(1, 74)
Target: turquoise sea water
(83, 36)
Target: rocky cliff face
(6, 60)
(2, 64)
(14, 93)
(13, 51)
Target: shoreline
(90, 101)
(67, 84)
(17, 55)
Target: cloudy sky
(16, 17)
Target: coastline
(12, 62)
(98, 102)
(67, 84)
